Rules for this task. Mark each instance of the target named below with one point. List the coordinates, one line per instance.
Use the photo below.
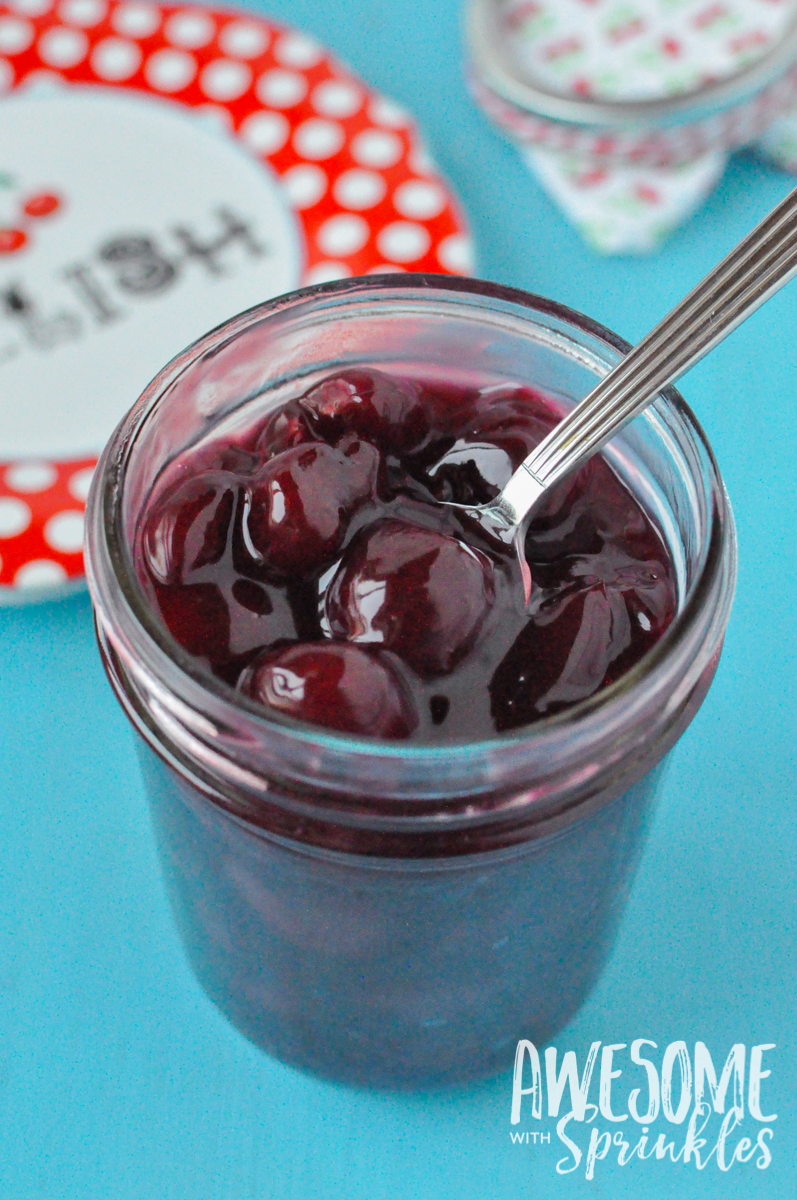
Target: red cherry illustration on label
(43, 204)
(11, 240)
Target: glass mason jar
(666, 128)
(378, 912)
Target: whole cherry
(301, 501)
(334, 684)
(189, 526)
(420, 593)
(284, 430)
(386, 412)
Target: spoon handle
(761, 264)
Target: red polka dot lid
(163, 167)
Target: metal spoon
(757, 268)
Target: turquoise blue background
(119, 1081)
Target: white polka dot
(455, 253)
(6, 75)
(64, 532)
(136, 20)
(190, 30)
(170, 70)
(386, 112)
(32, 8)
(31, 476)
(265, 132)
(376, 148)
(336, 98)
(419, 200)
(44, 83)
(40, 573)
(296, 50)
(86, 13)
(359, 189)
(63, 47)
(318, 139)
(281, 89)
(386, 269)
(403, 241)
(114, 59)
(304, 185)
(225, 79)
(325, 272)
(420, 160)
(80, 483)
(343, 234)
(243, 39)
(14, 516)
(15, 35)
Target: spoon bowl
(755, 269)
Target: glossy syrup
(307, 563)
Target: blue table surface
(120, 1081)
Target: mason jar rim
(498, 71)
(126, 615)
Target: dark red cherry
(583, 515)
(602, 614)
(641, 578)
(515, 418)
(284, 430)
(555, 652)
(386, 412)
(339, 686)
(189, 525)
(302, 500)
(198, 618)
(420, 593)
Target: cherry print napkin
(625, 209)
(626, 194)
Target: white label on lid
(128, 228)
